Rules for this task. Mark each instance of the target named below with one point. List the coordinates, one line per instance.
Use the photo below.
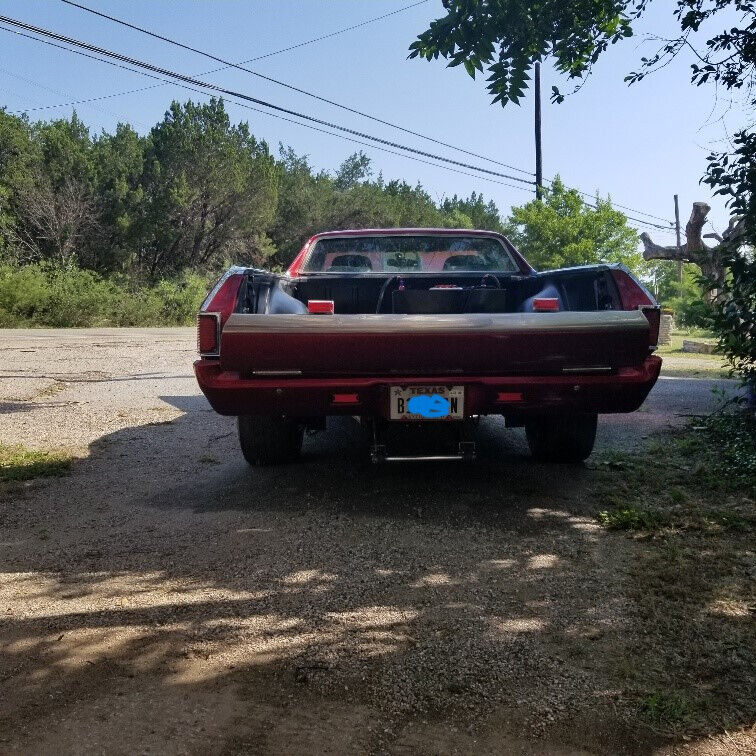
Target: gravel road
(166, 598)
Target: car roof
(407, 231)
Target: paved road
(165, 597)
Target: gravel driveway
(166, 598)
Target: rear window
(408, 254)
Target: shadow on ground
(168, 597)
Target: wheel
(267, 440)
(564, 438)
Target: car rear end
(531, 347)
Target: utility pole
(538, 150)
(677, 230)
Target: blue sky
(642, 144)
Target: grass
(19, 464)
(687, 504)
(690, 365)
(666, 707)
(630, 518)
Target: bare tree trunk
(708, 259)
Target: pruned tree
(711, 260)
(54, 220)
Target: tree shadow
(168, 596)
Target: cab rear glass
(409, 254)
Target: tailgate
(499, 344)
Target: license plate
(427, 403)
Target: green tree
(18, 157)
(119, 161)
(302, 200)
(479, 213)
(563, 231)
(210, 192)
(56, 207)
(507, 37)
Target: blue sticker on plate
(431, 406)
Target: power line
(48, 89)
(331, 34)
(183, 78)
(228, 64)
(222, 90)
(240, 66)
(214, 70)
(257, 110)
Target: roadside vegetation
(43, 294)
(129, 229)
(688, 504)
(18, 463)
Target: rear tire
(565, 438)
(267, 440)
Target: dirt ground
(165, 598)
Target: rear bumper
(622, 391)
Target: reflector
(320, 306)
(346, 398)
(509, 396)
(546, 304)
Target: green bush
(735, 316)
(46, 295)
(692, 312)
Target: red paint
(430, 352)
(320, 306)
(231, 394)
(224, 300)
(546, 304)
(346, 398)
(634, 296)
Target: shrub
(735, 316)
(42, 294)
(692, 312)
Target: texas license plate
(427, 403)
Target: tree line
(198, 192)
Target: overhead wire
(223, 68)
(240, 66)
(207, 85)
(264, 112)
(223, 90)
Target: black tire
(563, 438)
(266, 440)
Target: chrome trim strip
(432, 458)
(604, 320)
(273, 373)
(601, 369)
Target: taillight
(653, 315)
(208, 334)
(217, 308)
(634, 296)
(545, 304)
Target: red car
(419, 332)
